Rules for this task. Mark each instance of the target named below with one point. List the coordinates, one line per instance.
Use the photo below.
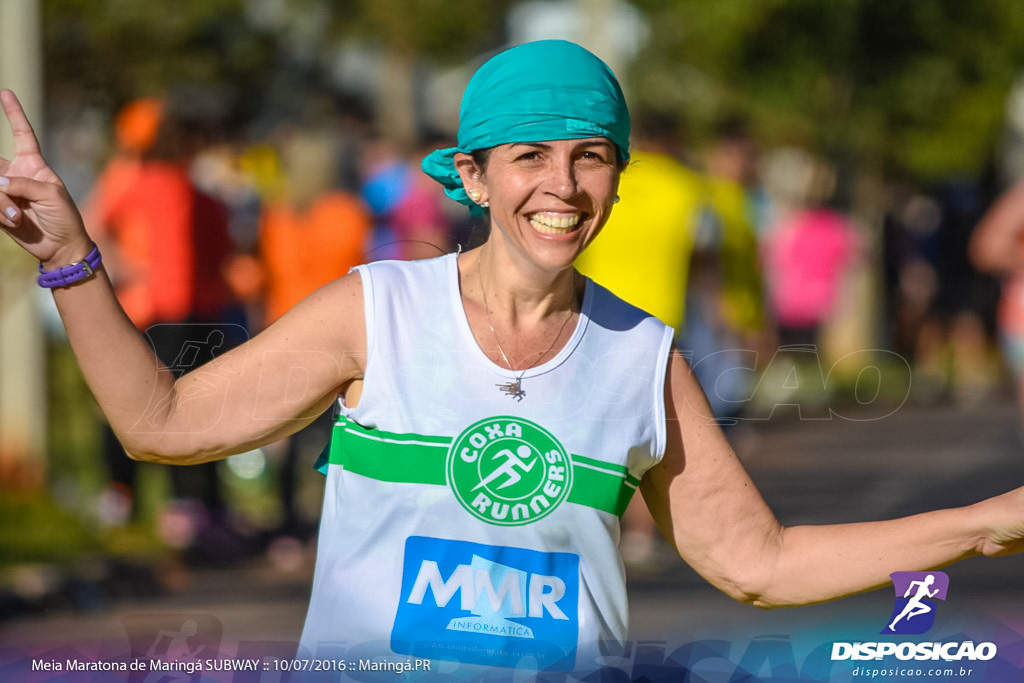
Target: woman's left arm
(707, 506)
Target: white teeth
(551, 224)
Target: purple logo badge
(916, 593)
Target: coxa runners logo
(508, 471)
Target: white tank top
(461, 522)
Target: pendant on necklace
(513, 388)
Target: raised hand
(35, 207)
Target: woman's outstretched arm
(708, 507)
(269, 387)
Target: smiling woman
(496, 410)
(547, 201)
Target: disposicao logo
(912, 614)
(916, 593)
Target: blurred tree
(446, 31)
(110, 51)
(116, 50)
(919, 84)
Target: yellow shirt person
(643, 252)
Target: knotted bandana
(546, 90)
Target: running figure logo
(914, 611)
(508, 471)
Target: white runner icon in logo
(915, 606)
(508, 468)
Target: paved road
(810, 471)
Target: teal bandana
(547, 90)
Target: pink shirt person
(806, 257)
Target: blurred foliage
(915, 84)
(920, 84)
(75, 427)
(121, 49)
(40, 530)
(44, 530)
(446, 30)
(115, 50)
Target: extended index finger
(25, 141)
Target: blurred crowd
(211, 230)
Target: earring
(474, 195)
(485, 204)
(616, 200)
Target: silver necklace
(515, 387)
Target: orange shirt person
(170, 241)
(311, 232)
(304, 250)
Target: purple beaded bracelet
(79, 270)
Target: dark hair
(481, 157)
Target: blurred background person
(311, 232)
(810, 252)
(135, 130)
(725, 314)
(410, 218)
(643, 255)
(997, 248)
(955, 356)
(909, 272)
(169, 243)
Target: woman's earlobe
(475, 196)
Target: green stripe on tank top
(418, 459)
